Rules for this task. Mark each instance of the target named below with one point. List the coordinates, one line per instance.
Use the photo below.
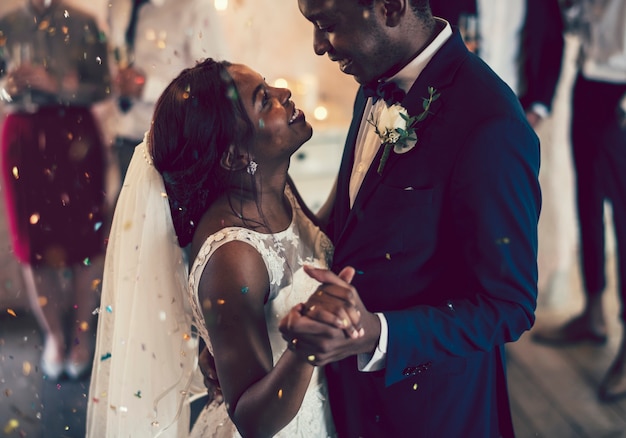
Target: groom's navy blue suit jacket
(445, 245)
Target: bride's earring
(251, 167)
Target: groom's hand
(206, 362)
(335, 302)
(333, 323)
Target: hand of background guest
(533, 118)
(129, 82)
(333, 324)
(28, 76)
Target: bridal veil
(146, 355)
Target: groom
(442, 234)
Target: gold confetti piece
(26, 368)
(11, 312)
(311, 358)
(388, 256)
(16, 173)
(186, 336)
(34, 218)
(43, 301)
(11, 425)
(84, 326)
(280, 393)
(220, 301)
(415, 386)
(95, 284)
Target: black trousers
(124, 149)
(599, 152)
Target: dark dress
(53, 161)
(53, 177)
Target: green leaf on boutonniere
(396, 128)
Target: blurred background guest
(598, 132)
(521, 40)
(53, 170)
(151, 48)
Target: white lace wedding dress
(284, 254)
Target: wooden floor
(553, 390)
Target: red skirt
(53, 176)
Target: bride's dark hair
(196, 119)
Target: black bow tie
(387, 91)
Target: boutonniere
(396, 129)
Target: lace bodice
(284, 254)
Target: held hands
(333, 324)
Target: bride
(211, 176)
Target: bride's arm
(261, 399)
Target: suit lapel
(439, 73)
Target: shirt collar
(409, 73)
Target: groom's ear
(232, 159)
(394, 11)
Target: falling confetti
(105, 356)
(206, 304)
(11, 426)
(245, 289)
(11, 312)
(138, 394)
(110, 309)
(280, 393)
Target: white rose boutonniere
(396, 129)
